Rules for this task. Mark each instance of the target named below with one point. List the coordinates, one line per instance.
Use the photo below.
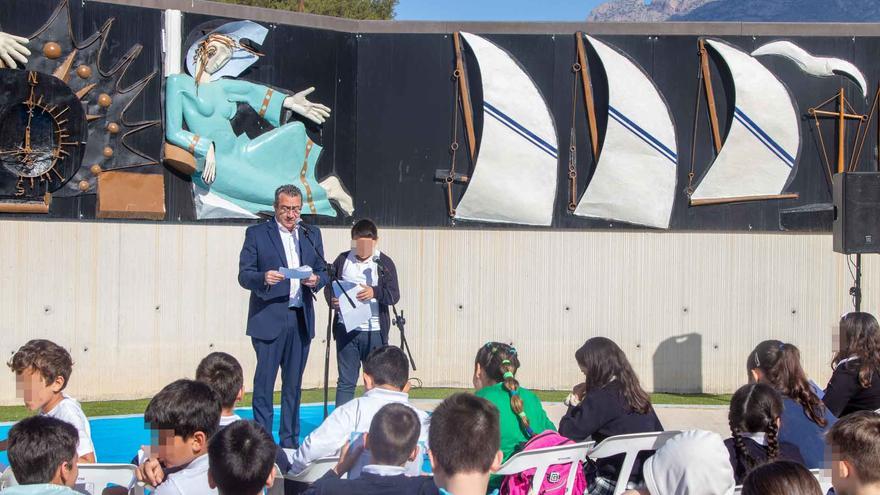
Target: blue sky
(494, 10)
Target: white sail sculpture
(514, 177)
(760, 152)
(811, 64)
(635, 175)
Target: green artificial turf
(137, 406)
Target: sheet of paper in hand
(299, 273)
(355, 315)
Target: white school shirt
(228, 420)
(191, 480)
(290, 241)
(69, 410)
(364, 272)
(352, 417)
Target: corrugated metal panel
(140, 304)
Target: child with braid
(755, 412)
(520, 411)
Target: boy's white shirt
(69, 410)
(353, 417)
(191, 480)
(228, 420)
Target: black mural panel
(395, 115)
(417, 104)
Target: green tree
(350, 9)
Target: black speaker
(856, 212)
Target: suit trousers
(289, 351)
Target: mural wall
(560, 130)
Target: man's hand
(347, 458)
(334, 302)
(365, 294)
(312, 281)
(150, 472)
(273, 277)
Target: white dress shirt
(290, 241)
(353, 417)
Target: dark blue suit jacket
(262, 251)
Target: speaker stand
(856, 290)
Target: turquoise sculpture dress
(247, 170)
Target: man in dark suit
(281, 314)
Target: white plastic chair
(277, 487)
(542, 459)
(314, 471)
(631, 445)
(824, 481)
(95, 478)
(7, 479)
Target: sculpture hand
(315, 112)
(210, 170)
(12, 49)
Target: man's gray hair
(288, 189)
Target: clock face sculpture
(42, 133)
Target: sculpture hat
(241, 58)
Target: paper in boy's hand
(299, 273)
(354, 313)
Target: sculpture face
(217, 55)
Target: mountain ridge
(737, 11)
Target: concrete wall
(140, 304)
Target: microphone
(378, 263)
(302, 226)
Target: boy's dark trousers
(352, 348)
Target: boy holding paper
(374, 274)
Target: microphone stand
(331, 271)
(399, 321)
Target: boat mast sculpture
(758, 157)
(234, 175)
(635, 174)
(515, 171)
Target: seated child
(805, 419)
(693, 462)
(386, 380)
(610, 401)
(182, 417)
(783, 477)
(855, 454)
(464, 440)
(241, 458)
(42, 453)
(392, 441)
(520, 410)
(42, 370)
(754, 417)
(222, 372)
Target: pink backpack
(557, 474)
